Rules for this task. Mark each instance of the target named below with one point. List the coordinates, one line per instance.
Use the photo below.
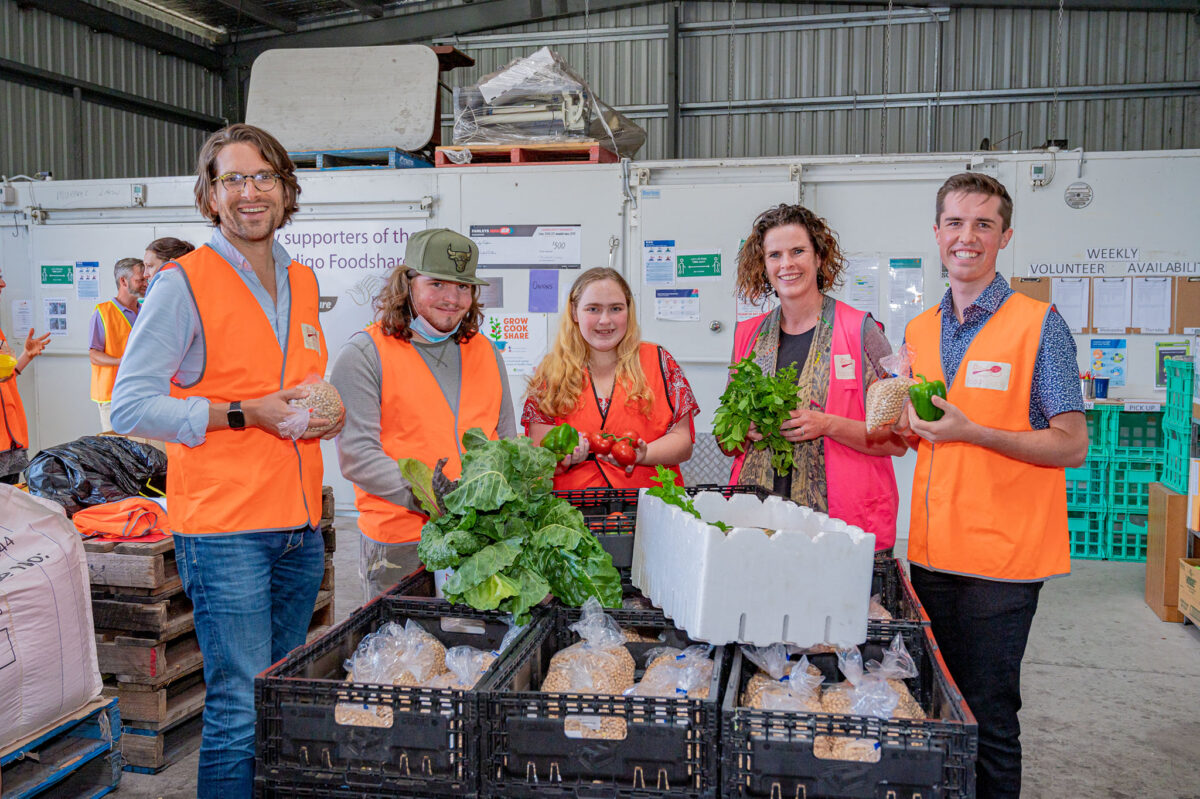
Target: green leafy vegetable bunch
(509, 540)
(763, 399)
(672, 493)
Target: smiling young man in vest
(220, 347)
(989, 512)
(413, 382)
(112, 322)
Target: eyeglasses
(234, 181)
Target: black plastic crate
(611, 514)
(670, 747)
(771, 753)
(432, 745)
(896, 592)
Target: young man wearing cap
(413, 382)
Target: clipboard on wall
(1167, 329)
(1187, 306)
(1042, 289)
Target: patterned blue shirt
(1056, 386)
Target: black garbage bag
(96, 469)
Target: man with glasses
(222, 345)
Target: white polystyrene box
(807, 583)
(48, 662)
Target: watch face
(237, 419)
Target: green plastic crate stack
(1136, 441)
(1087, 508)
(1177, 423)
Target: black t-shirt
(793, 349)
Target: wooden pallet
(582, 152)
(365, 158)
(132, 564)
(175, 700)
(77, 756)
(328, 510)
(149, 661)
(148, 750)
(162, 616)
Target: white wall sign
(528, 246)
(521, 340)
(352, 260)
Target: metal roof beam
(423, 26)
(1073, 5)
(104, 21)
(373, 10)
(102, 95)
(260, 13)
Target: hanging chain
(887, 71)
(1057, 67)
(729, 86)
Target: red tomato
(632, 436)
(624, 453)
(599, 443)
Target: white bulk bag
(47, 641)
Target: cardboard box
(1166, 543)
(1189, 588)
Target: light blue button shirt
(167, 345)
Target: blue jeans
(253, 597)
(981, 627)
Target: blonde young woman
(601, 378)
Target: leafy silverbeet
(765, 400)
(509, 540)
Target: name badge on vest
(843, 367)
(312, 338)
(988, 374)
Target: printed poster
(528, 246)
(1164, 350)
(658, 262)
(55, 312)
(87, 280)
(521, 339)
(697, 265)
(861, 286)
(677, 305)
(1108, 360)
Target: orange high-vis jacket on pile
(976, 512)
(116, 335)
(621, 417)
(246, 480)
(135, 517)
(14, 434)
(416, 422)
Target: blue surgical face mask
(429, 332)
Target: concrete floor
(1112, 694)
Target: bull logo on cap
(460, 258)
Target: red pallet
(586, 152)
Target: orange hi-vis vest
(976, 512)
(14, 433)
(621, 417)
(116, 334)
(416, 421)
(246, 480)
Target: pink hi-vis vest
(862, 488)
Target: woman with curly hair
(840, 469)
(412, 383)
(601, 378)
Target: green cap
(442, 254)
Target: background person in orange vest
(413, 382)
(224, 341)
(989, 513)
(14, 431)
(600, 377)
(840, 468)
(112, 321)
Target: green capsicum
(562, 441)
(921, 394)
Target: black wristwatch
(236, 416)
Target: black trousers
(11, 479)
(981, 627)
